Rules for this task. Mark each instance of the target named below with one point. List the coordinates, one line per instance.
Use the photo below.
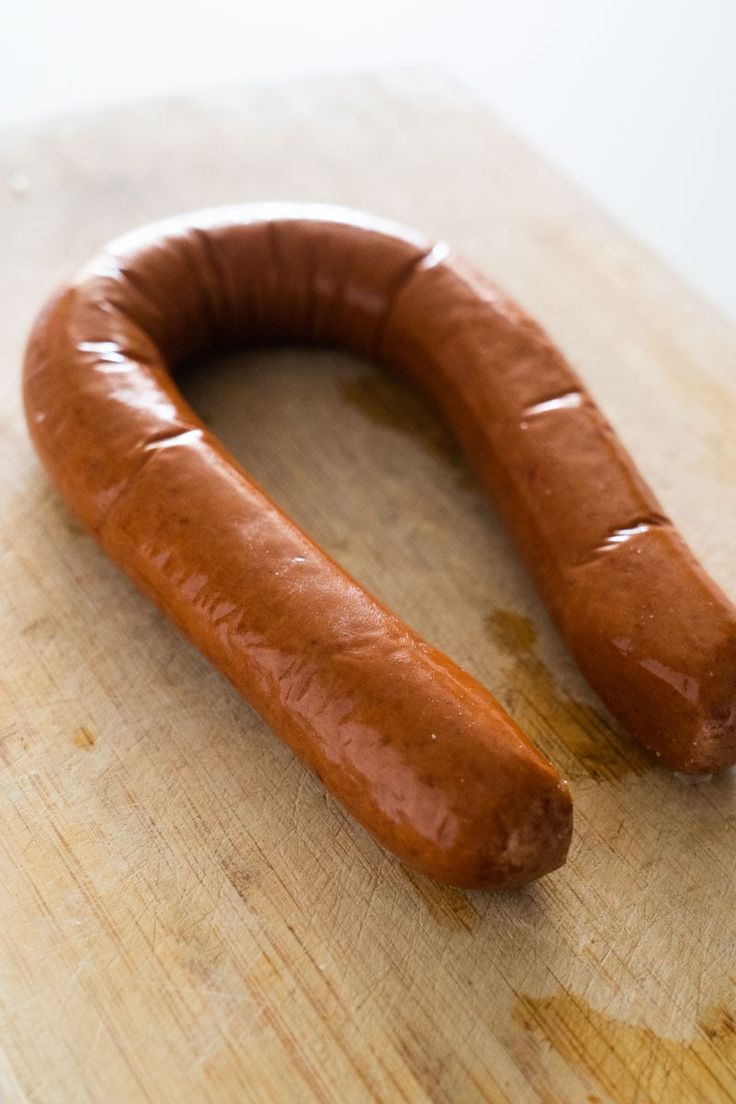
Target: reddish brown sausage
(417, 750)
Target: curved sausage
(417, 750)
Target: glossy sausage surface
(414, 747)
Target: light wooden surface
(185, 915)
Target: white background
(633, 99)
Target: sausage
(415, 749)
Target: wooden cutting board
(185, 914)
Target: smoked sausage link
(415, 749)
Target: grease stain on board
(239, 877)
(393, 405)
(551, 715)
(84, 738)
(629, 1062)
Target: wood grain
(185, 914)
